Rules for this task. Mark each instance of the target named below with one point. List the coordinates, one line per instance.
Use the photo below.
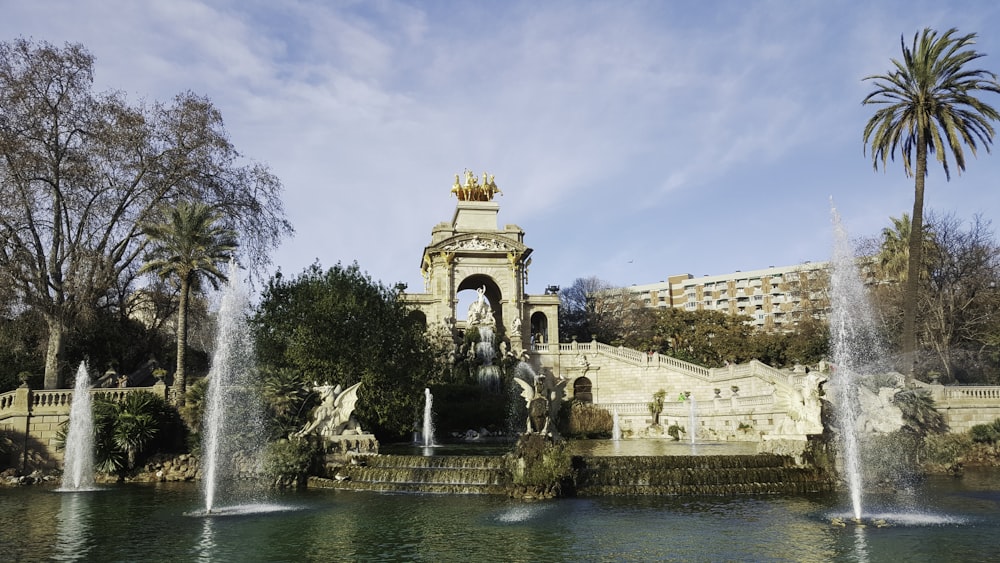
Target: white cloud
(695, 137)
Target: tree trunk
(54, 354)
(180, 377)
(909, 337)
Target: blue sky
(632, 140)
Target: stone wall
(746, 402)
(966, 406)
(32, 419)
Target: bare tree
(958, 317)
(80, 172)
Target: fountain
(78, 470)
(856, 352)
(480, 317)
(232, 425)
(427, 432)
(616, 429)
(489, 374)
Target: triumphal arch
(472, 252)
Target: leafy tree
(708, 338)
(188, 248)
(340, 327)
(80, 172)
(928, 104)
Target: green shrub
(984, 433)
(289, 461)
(541, 463)
(946, 449)
(584, 420)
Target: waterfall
(78, 470)
(428, 427)
(489, 374)
(232, 425)
(855, 349)
(616, 429)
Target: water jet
(78, 468)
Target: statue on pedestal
(480, 312)
(335, 414)
(543, 401)
(472, 190)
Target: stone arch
(418, 317)
(583, 390)
(493, 293)
(539, 328)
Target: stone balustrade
(32, 419)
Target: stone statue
(480, 312)
(543, 400)
(335, 414)
(804, 407)
(515, 326)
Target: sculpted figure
(334, 415)
(543, 401)
(479, 311)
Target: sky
(632, 140)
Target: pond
(942, 519)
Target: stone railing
(677, 408)
(31, 402)
(753, 368)
(991, 394)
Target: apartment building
(773, 298)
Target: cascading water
(428, 427)
(616, 429)
(232, 426)
(856, 349)
(489, 374)
(78, 470)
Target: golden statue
(472, 190)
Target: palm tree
(188, 247)
(928, 104)
(894, 251)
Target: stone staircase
(484, 475)
(696, 475)
(595, 476)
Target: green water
(941, 520)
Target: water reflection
(860, 545)
(951, 520)
(205, 549)
(73, 540)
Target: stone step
(429, 488)
(446, 476)
(441, 462)
(689, 461)
(688, 476)
(708, 490)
